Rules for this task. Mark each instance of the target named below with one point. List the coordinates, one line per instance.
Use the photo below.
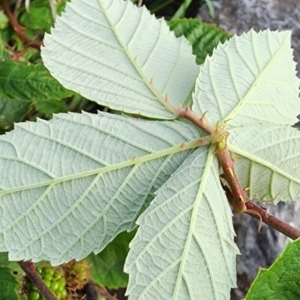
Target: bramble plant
(179, 137)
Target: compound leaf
(120, 56)
(184, 246)
(281, 280)
(70, 185)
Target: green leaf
(281, 280)
(3, 51)
(4, 21)
(250, 86)
(120, 56)
(12, 111)
(50, 107)
(8, 285)
(70, 185)
(107, 266)
(184, 246)
(12, 265)
(202, 36)
(38, 16)
(29, 82)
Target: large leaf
(202, 36)
(250, 85)
(184, 246)
(70, 185)
(281, 280)
(119, 55)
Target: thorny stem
(237, 196)
(19, 30)
(29, 269)
(199, 121)
(272, 221)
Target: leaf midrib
(102, 170)
(241, 103)
(262, 162)
(147, 81)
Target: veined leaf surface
(119, 55)
(250, 80)
(184, 246)
(70, 185)
(250, 84)
(267, 161)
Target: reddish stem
(18, 28)
(29, 269)
(272, 221)
(236, 194)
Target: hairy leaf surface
(184, 246)
(268, 161)
(250, 80)
(81, 180)
(120, 56)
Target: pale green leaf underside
(70, 185)
(119, 55)
(249, 80)
(268, 161)
(184, 246)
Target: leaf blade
(29, 82)
(203, 37)
(267, 161)
(66, 210)
(249, 79)
(8, 285)
(165, 260)
(115, 62)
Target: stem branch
(272, 221)
(29, 269)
